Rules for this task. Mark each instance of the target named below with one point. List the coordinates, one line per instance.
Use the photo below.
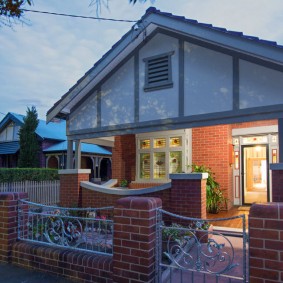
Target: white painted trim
(276, 166)
(123, 191)
(161, 133)
(188, 176)
(255, 130)
(74, 171)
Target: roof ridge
(153, 10)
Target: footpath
(13, 274)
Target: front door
(255, 177)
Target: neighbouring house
(53, 147)
(175, 92)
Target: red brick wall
(134, 239)
(142, 185)
(211, 147)
(277, 185)
(124, 158)
(185, 197)
(70, 190)
(77, 265)
(254, 124)
(266, 243)
(8, 223)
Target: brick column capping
(9, 223)
(189, 189)
(277, 182)
(134, 239)
(266, 242)
(70, 189)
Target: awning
(9, 147)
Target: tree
(11, 11)
(29, 147)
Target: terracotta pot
(204, 235)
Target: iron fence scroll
(88, 229)
(190, 250)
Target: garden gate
(192, 250)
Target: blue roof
(210, 26)
(85, 147)
(9, 147)
(52, 130)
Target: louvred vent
(158, 70)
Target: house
(53, 147)
(175, 92)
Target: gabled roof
(85, 147)
(152, 20)
(54, 130)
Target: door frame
(243, 175)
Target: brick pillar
(124, 158)
(266, 242)
(134, 239)
(211, 146)
(70, 189)
(189, 189)
(8, 223)
(277, 182)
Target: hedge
(27, 174)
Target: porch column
(78, 157)
(70, 186)
(277, 169)
(70, 155)
(189, 189)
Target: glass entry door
(255, 177)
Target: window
(158, 72)
(160, 155)
(8, 133)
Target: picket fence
(44, 192)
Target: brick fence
(266, 243)
(186, 196)
(133, 250)
(134, 244)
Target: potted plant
(124, 183)
(215, 198)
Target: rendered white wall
(163, 103)
(117, 97)
(259, 86)
(85, 117)
(208, 81)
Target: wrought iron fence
(88, 229)
(192, 248)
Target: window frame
(151, 150)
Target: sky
(40, 61)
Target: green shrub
(215, 198)
(27, 174)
